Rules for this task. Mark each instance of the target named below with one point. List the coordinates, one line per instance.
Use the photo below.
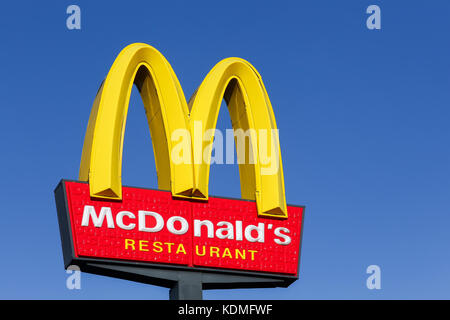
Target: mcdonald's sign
(134, 233)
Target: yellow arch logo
(232, 79)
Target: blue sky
(363, 117)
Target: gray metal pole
(188, 287)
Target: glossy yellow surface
(234, 79)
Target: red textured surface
(104, 242)
(270, 257)
(109, 243)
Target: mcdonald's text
(151, 226)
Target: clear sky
(363, 117)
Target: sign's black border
(159, 273)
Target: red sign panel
(151, 226)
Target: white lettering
(142, 221)
(89, 211)
(119, 220)
(184, 225)
(198, 228)
(259, 229)
(228, 230)
(286, 239)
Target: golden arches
(233, 79)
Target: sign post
(182, 239)
(183, 245)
